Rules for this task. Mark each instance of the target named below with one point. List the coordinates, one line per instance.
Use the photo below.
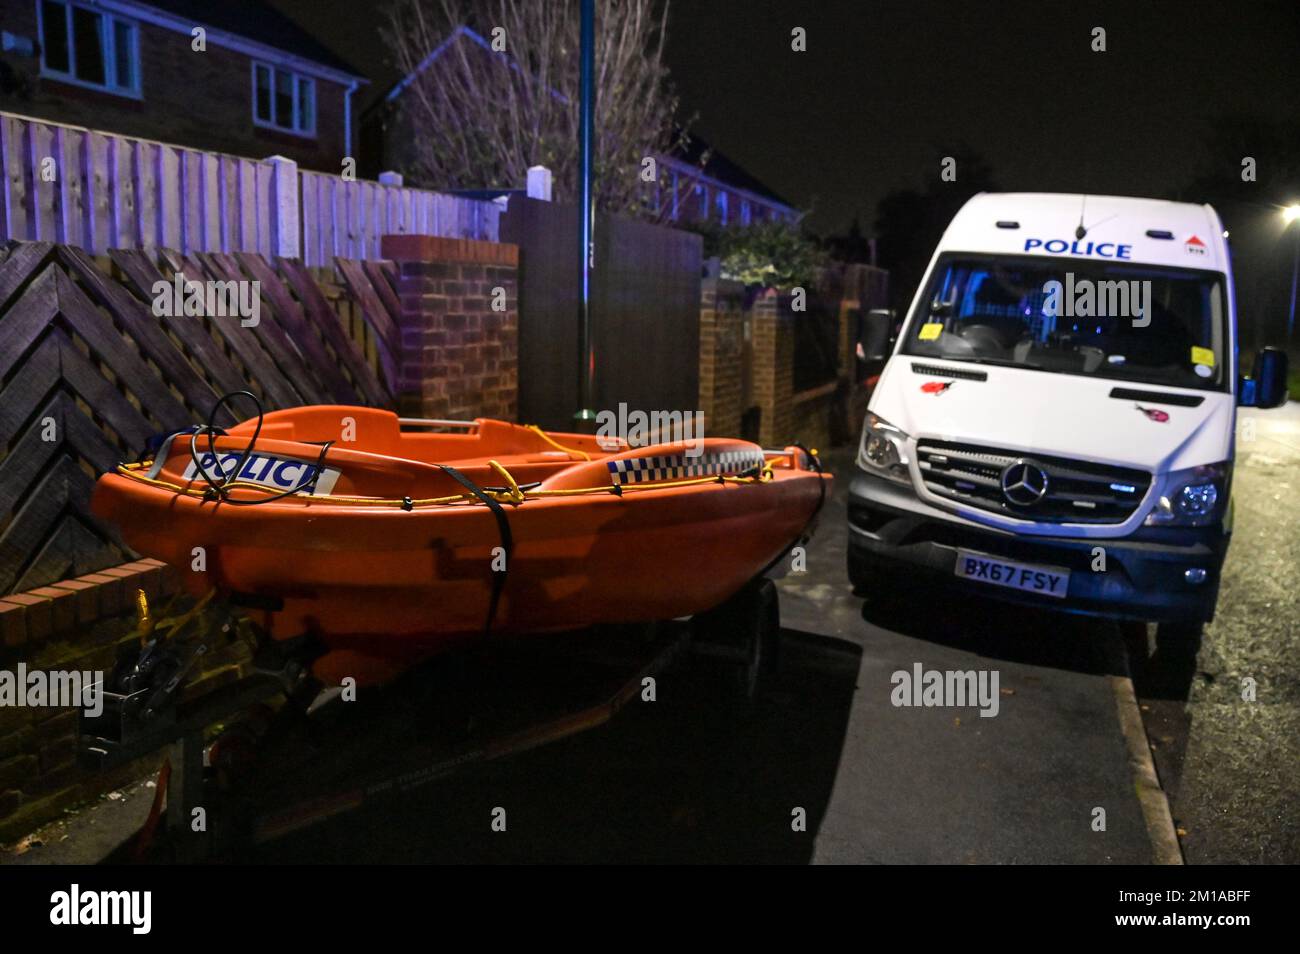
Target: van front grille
(1071, 491)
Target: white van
(1055, 424)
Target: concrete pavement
(935, 785)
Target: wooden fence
(88, 373)
(349, 218)
(645, 294)
(100, 191)
(816, 356)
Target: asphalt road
(696, 777)
(1231, 765)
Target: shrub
(772, 253)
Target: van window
(1113, 320)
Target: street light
(1289, 215)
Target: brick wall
(203, 100)
(822, 416)
(79, 624)
(722, 321)
(773, 342)
(459, 356)
(812, 420)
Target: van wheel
(1179, 639)
(748, 627)
(1136, 644)
(1176, 647)
(1173, 666)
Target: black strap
(219, 489)
(507, 540)
(817, 466)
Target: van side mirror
(877, 334)
(1267, 385)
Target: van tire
(1177, 644)
(881, 586)
(1179, 637)
(748, 625)
(1136, 645)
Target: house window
(89, 47)
(284, 100)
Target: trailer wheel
(748, 627)
(765, 642)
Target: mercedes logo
(1024, 483)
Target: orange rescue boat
(389, 541)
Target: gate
(645, 313)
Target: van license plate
(1031, 577)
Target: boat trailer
(287, 755)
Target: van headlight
(1192, 498)
(883, 450)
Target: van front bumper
(1144, 576)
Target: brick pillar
(721, 356)
(773, 341)
(459, 327)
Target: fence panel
(349, 218)
(86, 351)
(645, 308)
(816, 347)
(100, 191)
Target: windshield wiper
(1002, 362)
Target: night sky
(884, 88)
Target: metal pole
(586, 251)
(1295, 272)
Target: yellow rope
(180, 622)
(560, 447)
(512, 495)
(126, 471)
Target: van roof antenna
(1080, 232)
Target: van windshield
(1113, 320)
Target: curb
(1146, 783)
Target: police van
(1055, 422)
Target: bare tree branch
(477, 117)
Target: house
(695, 182)
(698, 183)
(233, 76)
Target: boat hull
(383, 587)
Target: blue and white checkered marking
(645, 470)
